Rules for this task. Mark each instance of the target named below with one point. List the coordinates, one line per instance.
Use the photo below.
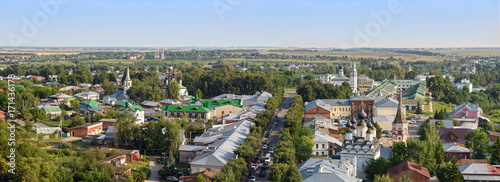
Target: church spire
(400, 118)
(127, 77)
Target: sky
(224, 23)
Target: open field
(470, 52)
(362, 54)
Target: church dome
(362, 114)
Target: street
(273, 137)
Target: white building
(360, 143)
(324, 145)
(327, 170)
(136, 110)
(353, 78)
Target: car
(264, 146)
(271, 151)
(254, 167)
(388, 134)
(262, 173)
(413, 122)
(268, 159)
(252, 178)
(272, 146)
(172, 178)
(251, 173)
(265, 166)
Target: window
(317, 153)
(323, 145)
(322, 153)
(316, 145)
(334, 109)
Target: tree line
(235, 169)
(295, 145)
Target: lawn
(54, 141)
(138, 164)
(293, 89)
(437, 106)
(54, 123)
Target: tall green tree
(199, 94)
(495, 153)
(173, 90)
(126, 127)
(376, 167)
(478, 142)
(449, 172)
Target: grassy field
(437, 106)
(363, 54)
(469, 52)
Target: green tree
(478, 142)
(74, 104)
(383, 178)
(303, 148)
(405, 179)
(199, 94)
(495, 153)
(278, 172)
(138, 176)
(293, 174)
(449, 172)
(173, 90)
(26, 114)
(376, 167)
(398, 153)
(125, 127)
(379, 130)
(419, 108)
(200, 178)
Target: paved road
(274, 136)
(154, 169)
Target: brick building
(417, 172)
(86, 129)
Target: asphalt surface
(273, 138)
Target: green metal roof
(122, 103)
(52, 109)
(415, 92)
(180, 108)
(93, 107)
(132, 107)
(213, 103)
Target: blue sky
(283, 23)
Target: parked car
(262, 173)
(265, 166)
(272, 147)
(271, 151)
(172, 178)
(251, 173)
(255, 167)
(388, 134)
(264, 146)
(252, 178)
(413, 122)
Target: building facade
(400, 125)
